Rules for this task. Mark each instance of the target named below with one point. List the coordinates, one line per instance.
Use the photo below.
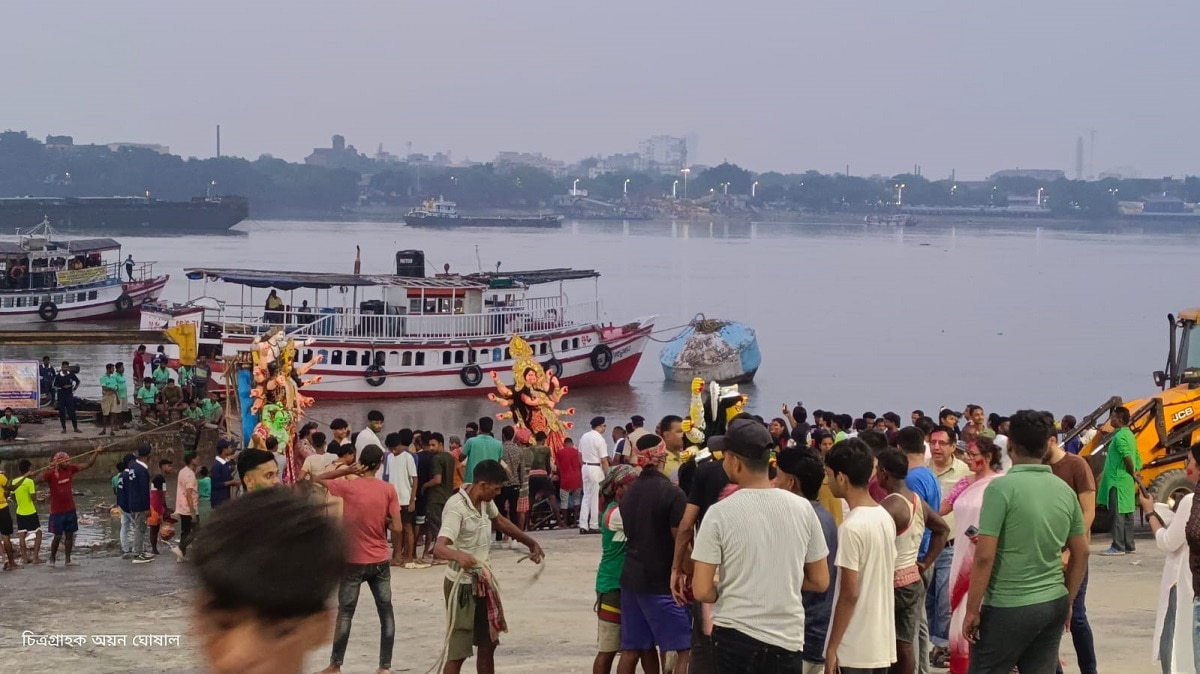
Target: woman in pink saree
(966, 501)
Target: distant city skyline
(769, 84)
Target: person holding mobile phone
(965, 501)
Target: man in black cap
(638, 422)
(754, 528)
(593, 453)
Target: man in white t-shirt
(319, 461)
(399, 469)
(369, 435)
(862, 632)
(758, 618)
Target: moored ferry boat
(48, 279)
(406, 335)
(442, 213)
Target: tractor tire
(1171, 486)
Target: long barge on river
(406, 335)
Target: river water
(849, 318)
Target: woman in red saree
(966, 501)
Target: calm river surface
(849, 318)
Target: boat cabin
(38, 267)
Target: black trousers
(737, 653)
(1026, 637)
(66, 410)
(187, 526)
(506, 502)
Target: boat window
(81, 297)
(92, 295)
(565, 345)
(6, 302)
(393, 358)
(336, 357)
(472, 358)
(324, 354)
(446, 357)
(496, 354)
(575, 343)
(306, 355)
(543, 348)
(414, 306)
(20, 301)
(420, 359)
(406, 359)
(57, 299)
(507, 354)
(458, 357)
(352, 358)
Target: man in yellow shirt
(24, 489)
(6, 525)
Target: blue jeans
(1081, 632)
(937, 599)
(378, 578)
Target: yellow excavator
(1165, 424)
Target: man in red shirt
(63, 520)
(570, 482)
(370, 507)
(139, 363)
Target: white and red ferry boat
(48, 279)
(407, 335)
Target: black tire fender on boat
(471, 375)
(48, 311)
(553, 367)
(124, 302)
(375, 375)
(602, 358)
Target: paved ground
(553, 628)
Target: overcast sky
(783, 85)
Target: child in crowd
(159, 513)
(204, 488)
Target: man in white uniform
(593, 453)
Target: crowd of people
(891, 548)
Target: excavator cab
(1165, 424)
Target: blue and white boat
(713, 350)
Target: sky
(786, 85)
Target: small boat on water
(408, 335)
(894, 220)
(49, 279)
(442, 213)
(713, 350)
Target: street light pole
(900, 194)
(626, 188)
(754, 189)
(673, 186)
(686, 171)
(575, 188)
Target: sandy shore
(551, 621)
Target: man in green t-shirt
(147, 397)
(440, 486)
(1028, 517)
(612, 562)
(1120, 481)
(10, 424)
(24, 490)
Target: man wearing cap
(593, 452)
(638, 422)
(650, 512)
(758, 618)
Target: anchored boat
(406, 335)
(48, 279)
(442, 213)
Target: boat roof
(535, 276)
(291, 280)
(74, 247)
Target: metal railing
(373, 327)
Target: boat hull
(103, 307)
(727, 356)
(462, 221)
(156, 218)
(344, 382)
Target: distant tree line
(277, 187)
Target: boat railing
(142, 271)
(375, 327)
